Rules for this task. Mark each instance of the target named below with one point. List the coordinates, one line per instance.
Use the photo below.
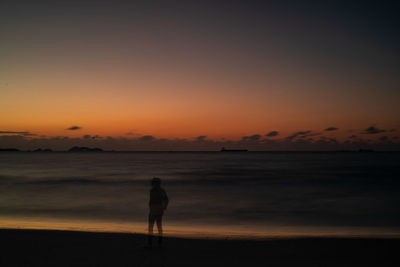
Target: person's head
(155, 182)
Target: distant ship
(233, 150)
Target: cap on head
(155, 181)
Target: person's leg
(159, 224)
(151, 226)
(159, 227)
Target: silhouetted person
(158, 203)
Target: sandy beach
(73, 248)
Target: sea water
(259, 193)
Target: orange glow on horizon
(201, 231)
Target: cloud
(272, 134)
(298, 141)
(24, 133)
(201, 138)
(147, 138)
(88, 136)
(254, 137)
(74, 128)
(331, 129)
(384, 138)
(373, 130)
(301, 134)
(333, 140)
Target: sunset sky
(177, 70)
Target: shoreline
(200, 231)
(79, 248)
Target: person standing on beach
(158, 203)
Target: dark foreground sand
(67, 248)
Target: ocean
(259, 194)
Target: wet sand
(70, 248)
